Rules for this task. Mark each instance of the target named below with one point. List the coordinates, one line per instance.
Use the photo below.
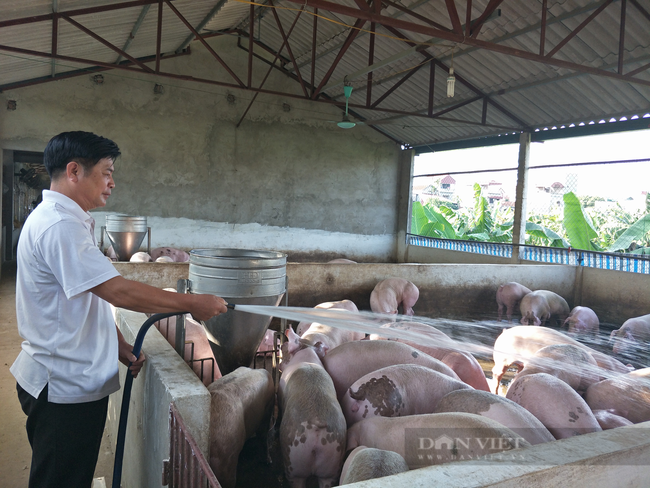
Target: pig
(164, 259)
(241, 405)
(509, 296)
(198, 352)
(571, 364)
(340, 304)
(388, 295)
(140, 257)
(608, 420)
(396, 391)
(328, 336)
(582, 321)
(268, 342)
(516, 345)
(633, 332)
(464, 364)
(366, 463)
(313, 429)
(462, 435)
(341, 261)
(110, 254)
(539, 306)
(177, 255)
(497, 408)
(352, 360)
(626, 395)
(555, 404)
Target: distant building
(447, 187)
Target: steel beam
(388, 92)
(453, 16)
(346, 45)
(105, 42)
(542, 34)
(213, 11)
(205, 44)
(621, 40)
(478, 23)
(134, 31)
(285, 38)
(450, 36)
(159, 35)
(575, 31)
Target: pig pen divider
(126, 397)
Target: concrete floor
(15, 452)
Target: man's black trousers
(65, 440)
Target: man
(64, 284)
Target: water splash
(474, 337)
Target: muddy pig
(396, 391)
(177, 255)
(462, 363)
(555, 404)
(516, 345)
(497, 408)
(571, 364)
(313, 430)
(626, 395)
(608, 420)
(352, 360)
(399, 434)
(539, 306)
(391, 294)
(367, 463)
(241, 405)
(509, 296)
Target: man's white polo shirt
(70, 339)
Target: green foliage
(582, 225)
(577, 223)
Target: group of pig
(342, 392)
(158, 255)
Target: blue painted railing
(630, 263)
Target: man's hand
(126, 357)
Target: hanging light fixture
(451, 79)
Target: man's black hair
(85, 148)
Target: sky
(615, 181)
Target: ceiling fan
(346, 123)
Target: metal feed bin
(241, 277)
(126, 233)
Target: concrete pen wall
(165, 378)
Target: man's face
(95, 185)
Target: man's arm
(139, 297)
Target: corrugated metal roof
(519, 93)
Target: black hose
(126, 396)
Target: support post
(519, 225)
(405, 164)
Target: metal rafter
(105, 42)
(451, 36)
(461, 79)
(285, 38)
(477, 24)
(354, 31)
(205, 44)
(575, 31)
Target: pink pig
(389, 294)
(583, 321)
(509, 296)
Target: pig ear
(628, 335)
(291, 335)
(321, 349)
